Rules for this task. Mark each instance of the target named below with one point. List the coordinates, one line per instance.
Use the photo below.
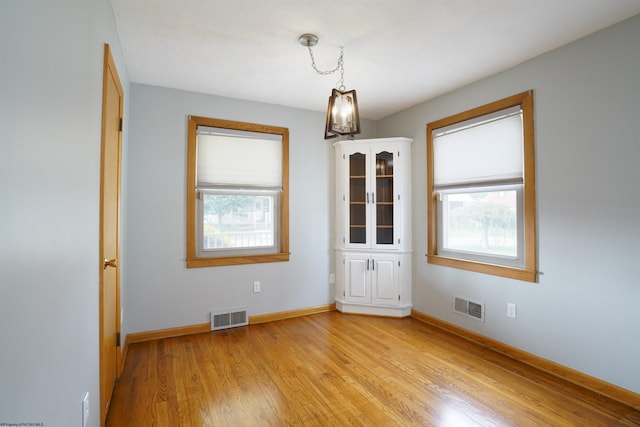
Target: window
(482, 189)
(237, 193)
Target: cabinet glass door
(384, 198)
(358, 198)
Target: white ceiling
(397, 53)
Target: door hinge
(118, 339)
(398, 263)
(398, 297)
(120, 125)
(344, 293)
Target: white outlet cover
(511, 310)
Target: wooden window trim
(529, 271)
(193, 260)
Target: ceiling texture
(397, 53)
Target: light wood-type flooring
(335, 369)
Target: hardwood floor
(336, 369)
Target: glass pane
(384, 236)
(384, 215)
(384, 164)
(481, 222)
(357, 213)
(357, 165)
(232, 221)
(357, 198)
(358, 235)
(384, 198)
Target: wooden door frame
(109, 71)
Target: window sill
(236, 260)
(524, 274)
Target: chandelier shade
(342, 114)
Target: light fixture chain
(340, 65)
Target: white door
(357, 197)
(357, 284)
(384, 281)
(384, 197)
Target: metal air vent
(472, 309)
(229, 318)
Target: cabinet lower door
(384, 283)
(357, 279)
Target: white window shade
(239, 161)
(483, 150)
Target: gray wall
(583, 312)
(50, 117)
(161, 291)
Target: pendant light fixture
(342, 112)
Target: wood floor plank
(334, 369)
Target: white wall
(50, 118)
(583, 312)
(161, 291)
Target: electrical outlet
(511, 310)
(332, 278)
(256, 287)
(85, 410)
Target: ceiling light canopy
(342, 112)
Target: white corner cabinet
(373, 226)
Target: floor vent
(229, 318)
(472, 309)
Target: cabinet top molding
(373, 140)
